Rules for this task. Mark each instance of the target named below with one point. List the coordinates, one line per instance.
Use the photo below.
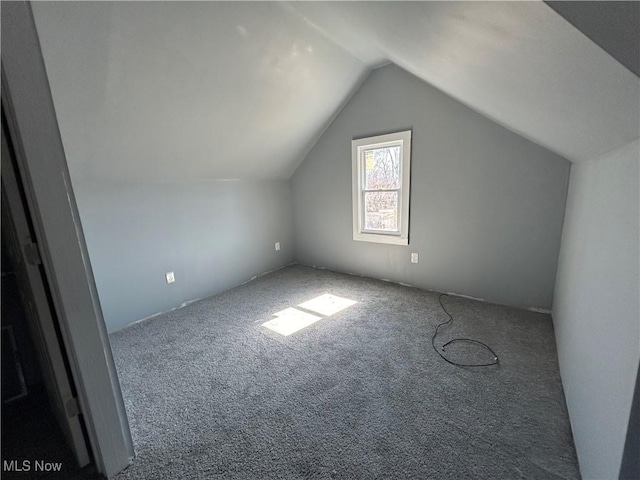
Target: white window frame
(358, 147)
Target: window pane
(382, 168)
(381, 211)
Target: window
(381, 172)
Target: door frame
(42, 167)
(33, 287)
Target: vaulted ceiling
(614, 25)
(173, 90)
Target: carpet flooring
(212, 393)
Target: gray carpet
(357, 395)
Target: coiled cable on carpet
(467, 340)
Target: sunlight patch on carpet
(327, 304)
(290, 320)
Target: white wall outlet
(414, 258)
(277, 246)
(170, 277)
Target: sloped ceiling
(519, 63)
(175, 90)
(614, 25)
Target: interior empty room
(321, 240)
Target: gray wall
(213, 234)
(153, 116)
(596, 309)
(486, 204)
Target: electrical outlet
(277, 246)
(170, 277)
(414, 258)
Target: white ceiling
(519, 63)
(171, 91)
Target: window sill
(373, 238)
